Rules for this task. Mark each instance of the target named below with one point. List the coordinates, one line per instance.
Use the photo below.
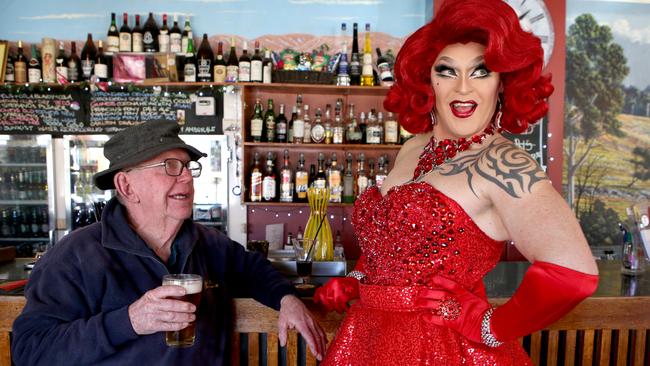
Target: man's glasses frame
(174, 167)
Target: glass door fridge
(26, 200)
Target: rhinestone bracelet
(358, 275)
(486, 334)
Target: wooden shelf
(344, 147)
(293, 204)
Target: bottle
(327, 124)
(355, 65)
(404, 135)
(391, 130)
(150, 35)
(6, 224)
(338, 130)
(361, 178)
(270, 180)
(189, 69)
(281, 126)
(219, 70)
(382, 171)
(125, 34)
(363, 126)
(343, 78)
(10, 75)
(374, 129)
(74, 64)
(306, 125)
(286, 179)
(34, 67)
(299, 234)
(257, 122)
(353, 132)
(88, 57)
(244, 65)
(289, 244)
(267, 68)
(257, 67)
(343, 38)
(187, 29)
(634, 257)
(317, 129)
(20, 65)
(294, 113)
(256, 180)
(137, 36)
(371, 173)
(339, 251)
(302, 180)
(383, 67)
(164, 39)
(269, 122)
(204, 61)
(100, 69)
(367, 78)
(175, 37)
(320, 178)
(113, 37)
(334, 181)
(232, 70)
(348, 181)
(298, 123)
(35, 222)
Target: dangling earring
(497, 120)
(433, 118)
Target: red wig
(516, 54)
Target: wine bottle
(189, 69)
(219, 70)
(267, 68)
(101, 64)
(232, 70)
(150, 35)
(175, 37)
(245, 65)
(125, 34)
(113, 37)
(257, 70)
(88, 57)
(269, 123)
(204, 61)
(281, 126)
(34, 67)
(186, 33)
(355, 65)
(74, 64)
(10, 75)
(20, 65)
(257, 122)
(137, 36)
(163, 36)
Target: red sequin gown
(411, 233)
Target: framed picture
(4, 51)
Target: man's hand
(294, 314)
(153, 312)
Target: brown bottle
(204, 60)
(88, 57)
(20, 65)
(74, 64)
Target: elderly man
(96, 297)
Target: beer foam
(191, 287)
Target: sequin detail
(414, 232)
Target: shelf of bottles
(24, 219)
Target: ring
(449, 309)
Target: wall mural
(607, 113)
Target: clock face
(534, 17)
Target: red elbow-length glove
(338, 292)
(547, 292)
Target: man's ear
(124, 187)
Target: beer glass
(304, 256)
(193, 285)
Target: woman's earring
(497, 120)
(433, 118)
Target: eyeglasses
(174, 167)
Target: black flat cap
(139, 143)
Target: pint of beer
(193, 285)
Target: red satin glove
(336, 293)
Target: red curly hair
(516, 54)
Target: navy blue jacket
(79, 292)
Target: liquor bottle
(307, 125)
(367, 78)
(320, 179)
(298, 123)
(269, 123)
(373, 129)
(187, 29)
(302, 180)
(175, 37)
(317, 129)
(371, 173)
(404, 135)
(382, 171)
(232, 70)
(164, 37)
(343, 39)
(355, 65)
(74, 64)
(113, 37)
(10, 74)
(338, 130)
(281, 126)
(137, 36)
(45, 222)
(150, 35)
(257, 67)
(363, 126)
(100, 69)
(34, 67)
(286, 181)
(20, 65)
(353, 132)
(348, 181)
(339, 250)
(327, 124)
(189, 69)
(334, 180)
(256, 179)
(245, 65)
(391, 130)
(343, 78)
(88, 57)
(270, 180)
(204, 60)
(219, 69)
(267, 68)
(289, 243)
(361, 178)
(35, 222)
(6, 224)
(257, 122)
(125, 34)
(383, 67)
(294, 114)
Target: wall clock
(535, 17)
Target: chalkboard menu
(534, 142)
(100, 112)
